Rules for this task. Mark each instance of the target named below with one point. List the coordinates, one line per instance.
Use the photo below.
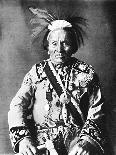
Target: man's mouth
(59, 55)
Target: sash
(56, 82)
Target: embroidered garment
(36, 109)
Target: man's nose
(60, 47)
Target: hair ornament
(57, 24)
(45, 21)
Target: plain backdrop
(18, 54)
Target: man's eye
(66, 43)
(54, 43)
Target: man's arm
(92, 133)
(19, 109)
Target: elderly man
(59, 108)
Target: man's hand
(78, 151)
(50, 146)
(83, 149)
(26, 147)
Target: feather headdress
(42, 20)
(49, 21)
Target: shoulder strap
(53, 78)
(58, 86)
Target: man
(59, 107)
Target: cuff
(16, 135)
(91, 133)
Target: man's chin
(58, 60)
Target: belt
(51, 132)
(58, 133)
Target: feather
(38, 21)
(41, 20)
(42, 14)
(36, 31)
(77, 20)
(78, 23)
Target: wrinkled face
(59, 46)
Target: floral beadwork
(91, 129)
(82, 67)
(27, 80)
(16, 134)
(40, 71)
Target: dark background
(17, 54)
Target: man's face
(59, 46)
